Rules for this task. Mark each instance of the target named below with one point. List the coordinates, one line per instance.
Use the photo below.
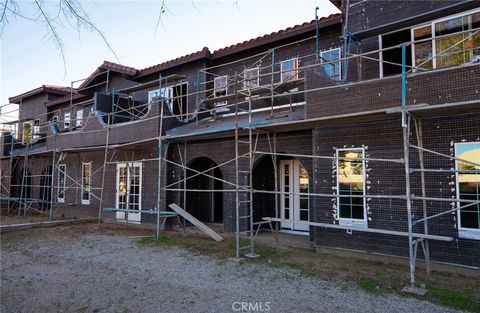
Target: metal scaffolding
(246, 135)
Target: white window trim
(86, 201)
(339, 60)
(221, 103)
(432, 24)
(152, 92)
(61, 200)
(352, 221)
(463, 232)
(31, 132)
(65, 120)
(256, 80)
(295, 68)
(79, 121)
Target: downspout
(317, 33)
(346, 39)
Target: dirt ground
(109, 268)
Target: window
(36, 129)
(220, 88)
(66, 120)
(27, 132)
(289, 70)
(61, 183)
(164, 94)
(333, 70)
(451, 43)
(79, 121)
(179, 105)
(351, 187)
(423, 50)
(86, 182)
(391, 54)
(251, 78)
(468, 188)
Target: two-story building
(356, 135)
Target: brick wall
(384, 140)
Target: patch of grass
(370, 286)
(467, 300)
(163, 240)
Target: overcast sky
(29, 59)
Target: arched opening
(24, 190)
(46, 187)
(202, 201)
(263, 179)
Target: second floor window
(447, 42)
(333, 66)
(289, 70)
(179, 105)
(27, 132)
(66, 120)
(158, 95)
(251, 78)
(79, 120)
(220, 88)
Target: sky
(28, 58)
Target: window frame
(463, 232)
(257, 79)
(295, 69)
(180, 84)
(354, 222)
(339, 61)
(30, 133)
(65, 115)
(86, 201)
(79, 121)
(433, 37)
(62, 199)
(215, 89)
(158, 90)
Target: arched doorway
(263, 179)
(46, 187)
(205, 204)
(25, 184)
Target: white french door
(293, 206)
(129, 191)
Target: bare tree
(52, 15)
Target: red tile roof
(248, 44)
(201, 54)
(198, 55)
(64, 99)
(107, 65)
(59, 90)
(278, 35)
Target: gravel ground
(75, 269)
